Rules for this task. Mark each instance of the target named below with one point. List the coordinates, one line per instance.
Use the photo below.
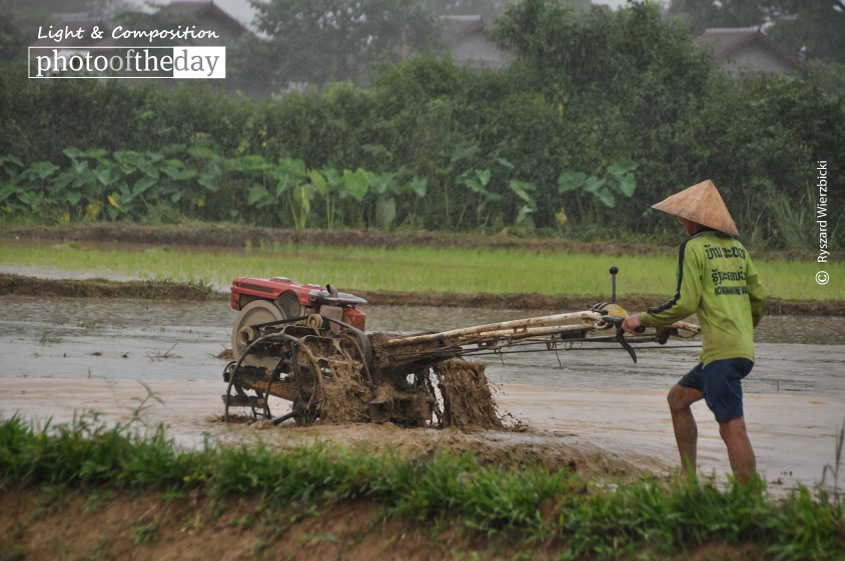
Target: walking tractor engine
(305, 344)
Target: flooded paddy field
(63, 357)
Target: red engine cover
(310, 296)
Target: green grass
(588, 518)
(422, 269)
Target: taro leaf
(385, 211)
(129, 160)
(72, 152)
(318, 181)
(627, 184)
(125, 192)
(606, 197)
(295, 166)
(383, 183)
(73, 197)
(6, 191)
(524, 216)
(80, 169)
(62, 181)
(252, 162)
(172, 149)
(142, 185)
(10, 159)
(570, 180)
(203, 153)
(104, 174)
(115, 201)
(505, 163)
(356, 183)
(258, 194)
(154, 156)
(186, 174)
(521, 188)
(418, 186)
(483, 176)
(208, 179)
(287, 174)
(462, 153)
(593, 184)
(177, 170)
(619, 169)
(96, 153)
(331, 175)
(302, 195)
(623, 173)
(43, 169)
(171, 171)
(149, 169)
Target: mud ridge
(238, 236)
(20, 285)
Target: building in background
(747, 51)
(466, 43)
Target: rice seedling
(418, 269)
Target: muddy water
(128, 339)
(60, 357)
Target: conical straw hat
(700, 203)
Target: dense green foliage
(813, 29)
(589, 93)
(588, 518)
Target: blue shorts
(720, 382)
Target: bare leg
(686, 431)
(740, 453)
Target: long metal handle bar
(503, 325)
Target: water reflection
(123, 339)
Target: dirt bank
(606, 434)
(238, 236)
(100, 524)
(19, 285)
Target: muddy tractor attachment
(305, 344)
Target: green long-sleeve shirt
(716, 279)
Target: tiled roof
(726, 41)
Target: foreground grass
(583, 518)
(416, 269)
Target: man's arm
(687, 295)
(756, 292)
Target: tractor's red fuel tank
(297, 300)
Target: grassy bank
(559, 515)
(413, 269)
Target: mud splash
(467, 400)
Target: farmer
(718, 281)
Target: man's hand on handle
(630, 324)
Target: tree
(316, 41)
(704, 14)
(816, 28)
(488, 9)
(20, 18)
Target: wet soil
(237, 236)
(127, 526)
(20, 285)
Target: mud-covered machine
(306, 344)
